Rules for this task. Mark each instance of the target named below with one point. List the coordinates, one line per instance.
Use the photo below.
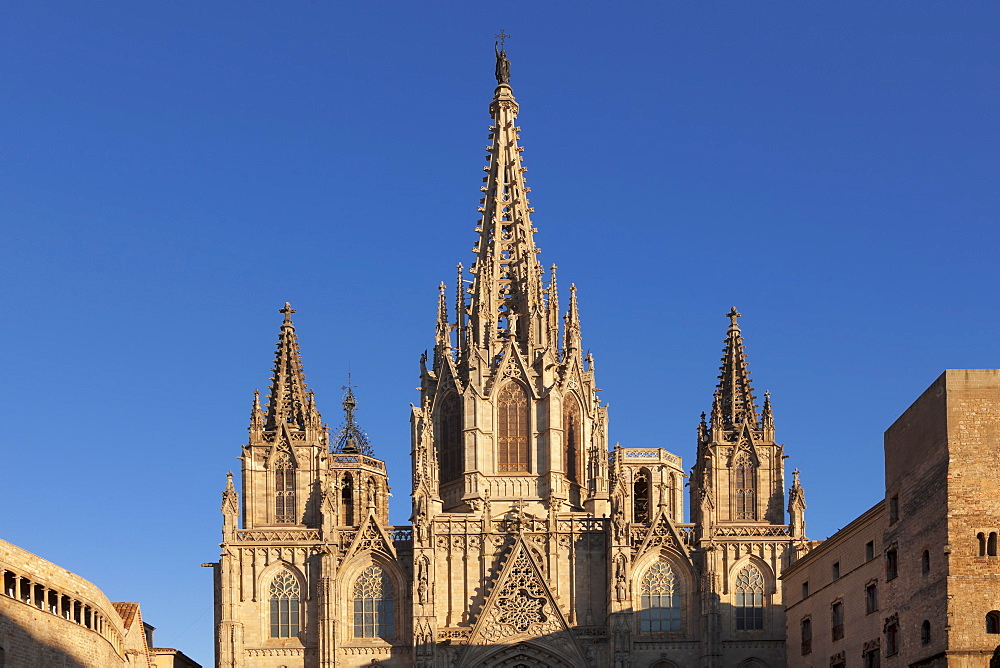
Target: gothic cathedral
(531, 543)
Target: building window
(838, 660)
(571, 438)
(284, 595)
(347, 500)
(991, 544)
(835, 570)
(805, 589)
(925, 562)
(641, 496)
(891, 564)
(981, 537)
(749, 599)
(925, 633)
(872, 658)
(892, 638)
(374, 605)
(450, 425)
(745, 487)
(993, 621)
(512, 413)
(871, 597)
(660, 601)
(284, 490)
(893, 508)
(807, 635)
(869, 550)
(837, 620)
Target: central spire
(507, 298)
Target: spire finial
(733, 315)
(351, 439)
(503, 65)
(287, 397)
(288, 311)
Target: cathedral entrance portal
(524, 656)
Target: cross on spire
(501, 37)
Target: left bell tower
(288, 445)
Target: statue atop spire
(503, 65)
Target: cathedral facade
(533, 542)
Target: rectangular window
(805, 589)
(893, 508)
(835, 571)
(891, 564)
(871, 658)
(837, 620)
(869, 550)
(871, 598)
(807, 635)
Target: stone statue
(503, 66)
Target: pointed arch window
(284, 490)
(347, 500)
(512, 414)
(285, 598)
(749, 599)
(374, 605)
(641, 489)
(745, 487)
(572, 438)
(450, 426)
(660, 602)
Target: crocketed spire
(289, 399)
(734, 401)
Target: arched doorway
(524, 656)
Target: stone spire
(507, 301)
(734, 402)
(288, 401)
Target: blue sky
(171, 173)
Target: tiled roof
(127, 612)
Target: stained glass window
(284, 595)
(745, 478)
(284, 490)
(512, 414)
(571, 436)
(661, 600)
(374, 605)
(749, 599)
(450, 426)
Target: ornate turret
(739, 472)
(508, 392)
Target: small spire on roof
(351, 439)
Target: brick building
(915, 581)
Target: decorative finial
(732, 315)
(503, 65)
(795, 478)
(350, 438)
(288, 311)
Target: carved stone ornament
(522, 605)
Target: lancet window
(745, 487)
(284, 490)
(512, 418)
(641, 490)
(374, 605)
(450, 426)
(572, 439)
(285, 599)
(347, 500)
(749, 599)
(660, 603)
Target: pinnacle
(734, 398)
(288, 396)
